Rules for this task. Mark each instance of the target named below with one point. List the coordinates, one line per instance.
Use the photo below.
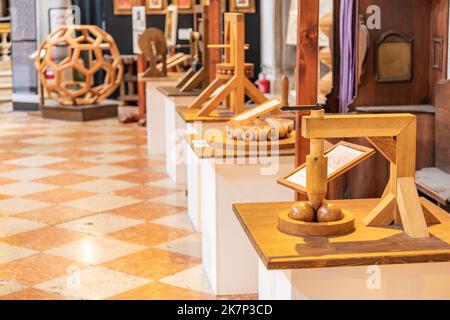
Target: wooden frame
(156, 8)
(404, 45)
(231, 84)
(124, 7)
(184, 6)
(366, 153)
(243, 6)
(171, 28)
(394, 136)
(198, 79)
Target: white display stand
(156, 112)
(229, 259)
(175, 130)
(386, 282)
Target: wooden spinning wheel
(153, 45)
(74, 81)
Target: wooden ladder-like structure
(232, 82)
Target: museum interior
(224, 150)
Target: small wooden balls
(329, 213)
(82, 52)
(302, 212)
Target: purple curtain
(348, 54)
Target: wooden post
(215, 32)
(307, 67)
(142, 103)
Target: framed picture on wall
(243, 6)
(171, 25)
(156, 6)
(184, 6)
(125, 7)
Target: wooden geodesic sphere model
(85, 54)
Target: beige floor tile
(107, 158)
(19, 205)
(181, 221)
(29, 174)
(106, 148)
(190, 245)
(10, 226)
(104, 185)
(24, 188)
(36, 161)
(93, 284)
(11, 253)
(47, 140)
(8, 287)
(96, 250)
(104, 171)
(101, 203)
(191, 279)
(100, 224)
(177, 199)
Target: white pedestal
(194, 164)
(176, 129)
(229, 259)
(156, 113)
(389, 282)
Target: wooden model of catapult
(394, 136)
(197, 77)
(232, 82)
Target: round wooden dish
(315, 229)
(231, 144)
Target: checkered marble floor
(85, 214)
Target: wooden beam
(345, 126)
(307, 67)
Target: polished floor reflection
(85, 214)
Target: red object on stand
(264, 84)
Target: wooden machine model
(73, 83)
(154, 47)
(232, 82)
(394, 136)
(197, 77)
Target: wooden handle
(285, 91)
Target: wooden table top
(366, 246)
(175, 92)
(171, 76)
(191, 115)
(211, 151)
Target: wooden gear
(87, 47)
(231, 84)
(154, 47)
(198, 76)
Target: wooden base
(314, 229)
(105, 109)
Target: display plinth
(228, 257)
(103, 110)
(340, 267)
(156, 113)
(175, 129)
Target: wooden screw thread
(317, 169)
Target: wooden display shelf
(191, 115)
(171, 76)
(104, 110)
(176, 92)
(365, 246)
(218, 150)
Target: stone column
(277, 57)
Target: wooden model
(198, 76)
(154, 47)
(394, 136)
(74, 81)
(232, 82)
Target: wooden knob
(329, 213)
(302, 212)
